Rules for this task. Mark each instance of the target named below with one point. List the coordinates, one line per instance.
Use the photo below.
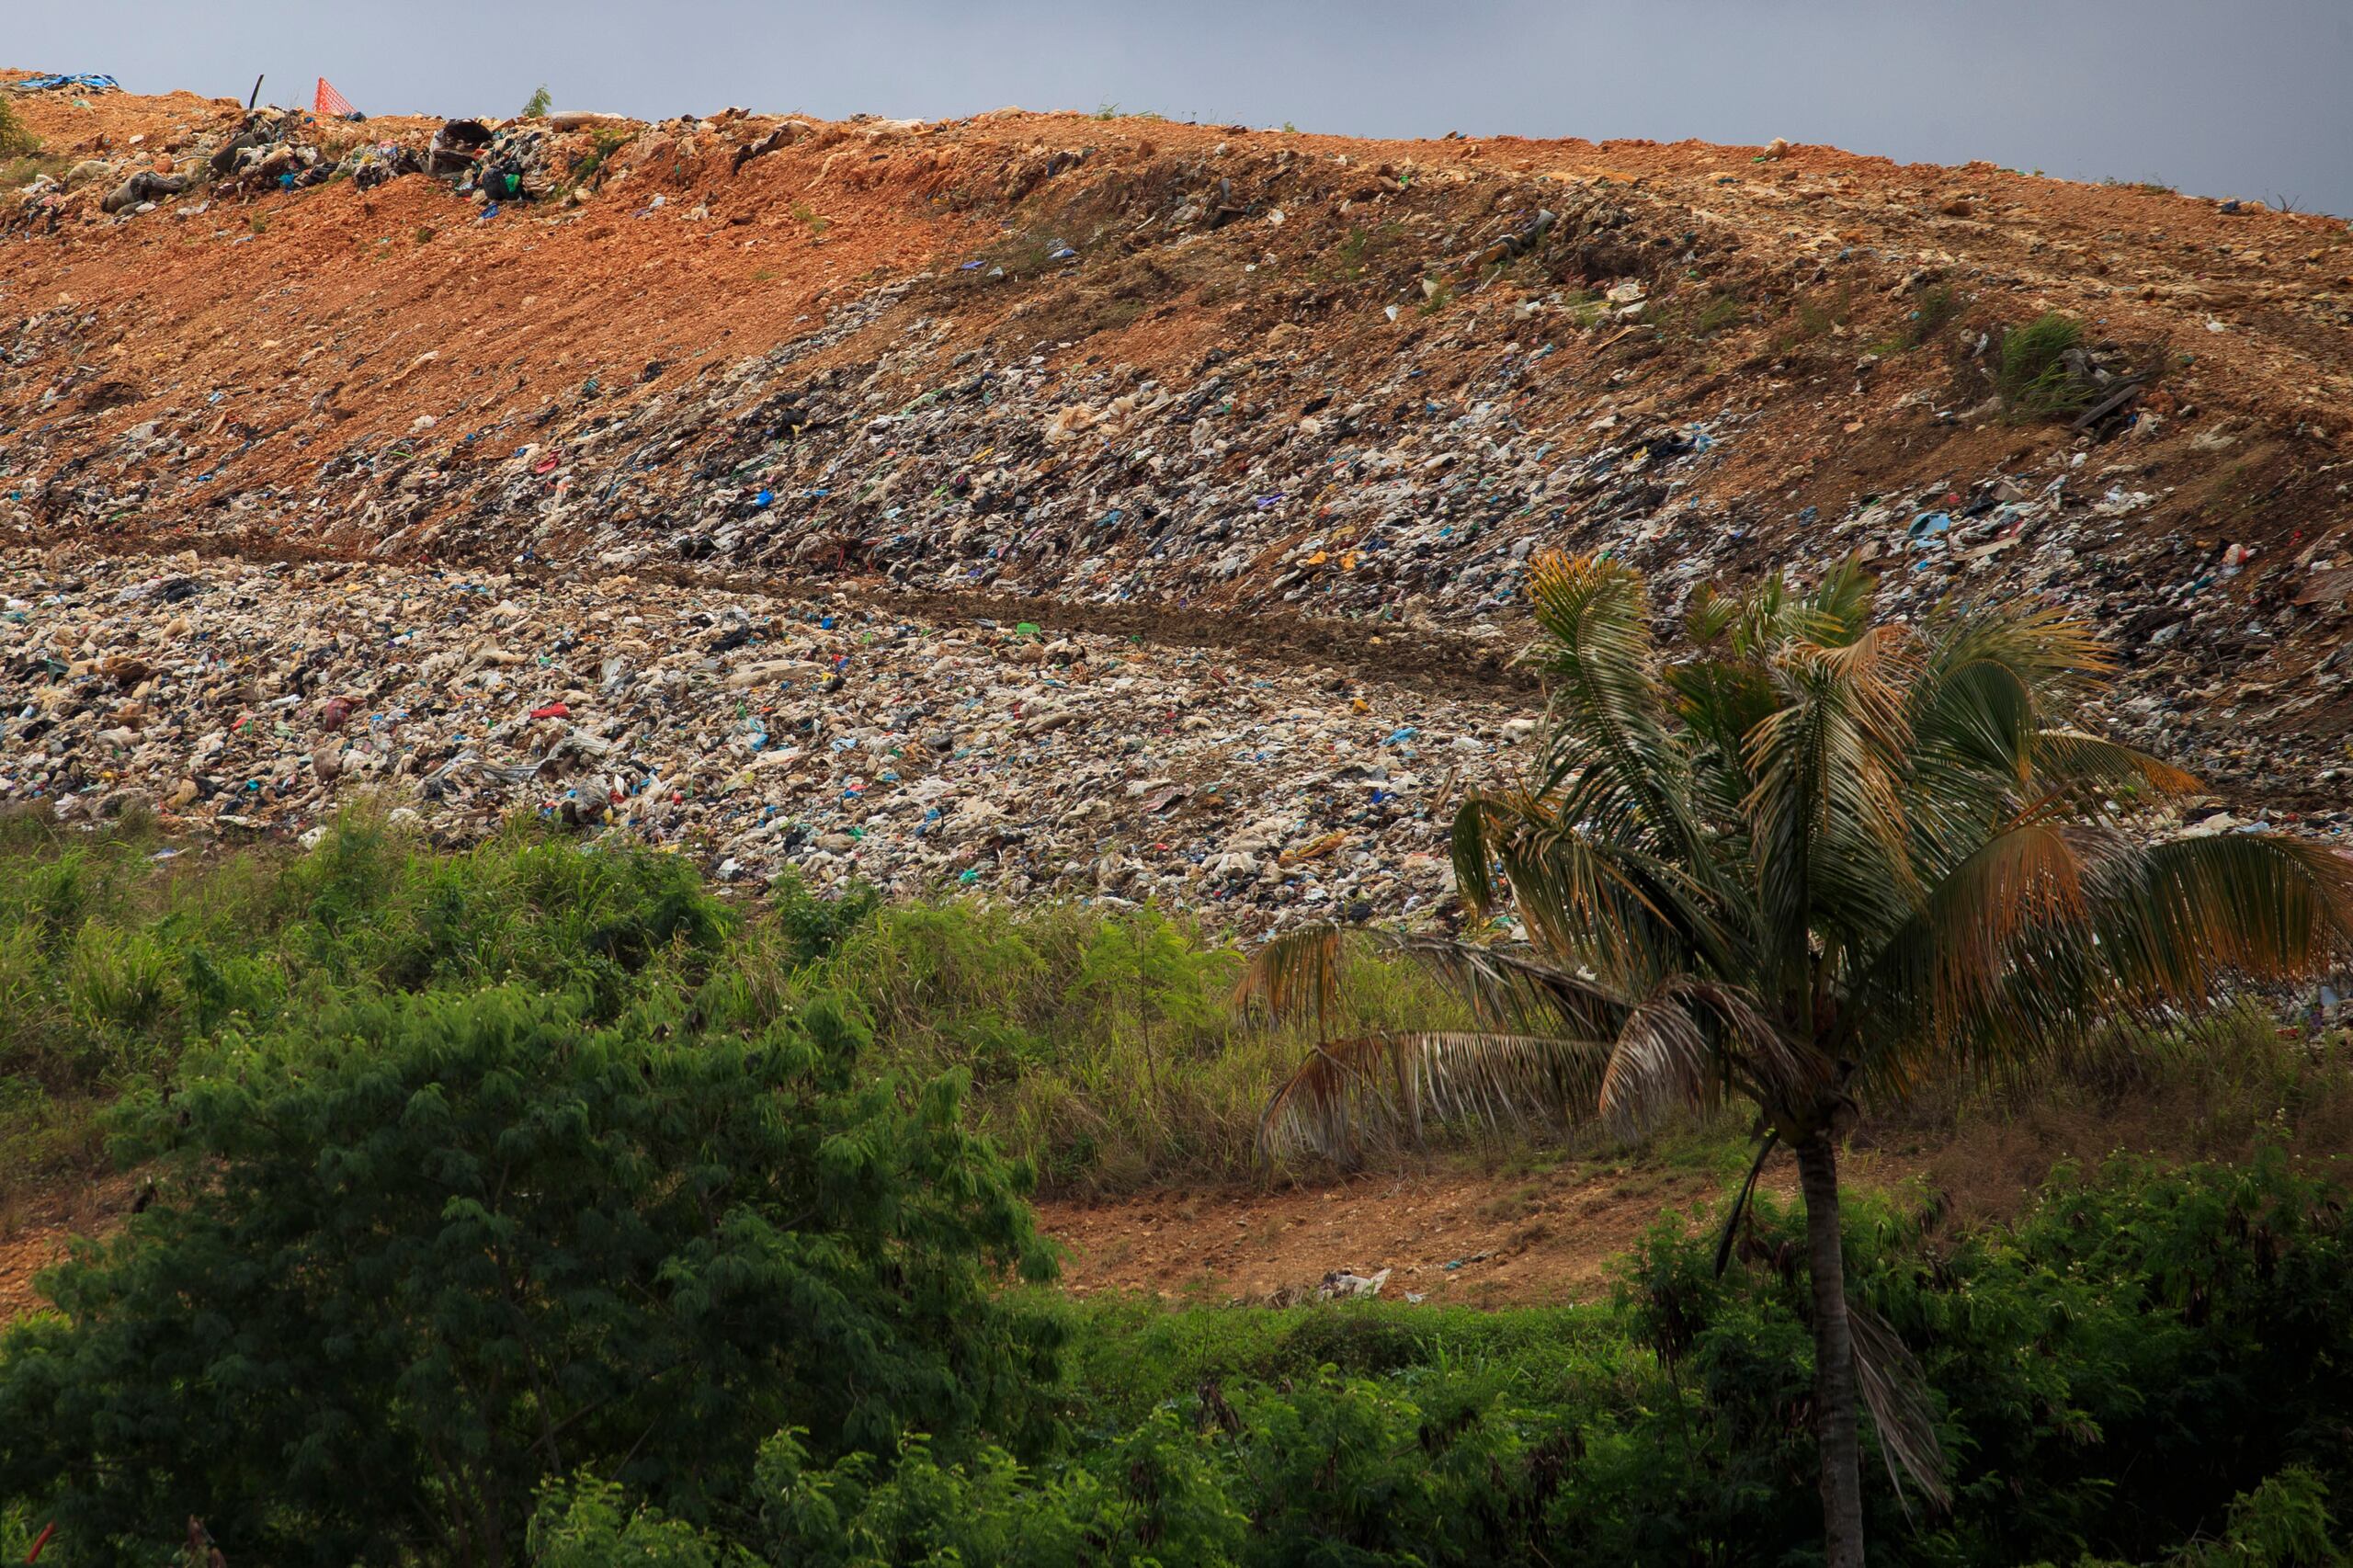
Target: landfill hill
(1056, 502)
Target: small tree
(427, 1252)
(1821, 856)
(536, 106)
(1142, 961)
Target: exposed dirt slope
(1189, 367)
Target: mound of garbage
(840, 740)
(1289, 402)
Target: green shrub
(536, 106)
(416, 1255)
(587, 1523)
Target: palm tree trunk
(1836, 1422)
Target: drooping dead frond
(1372, 1092)
(1508, 990)
(1760, 1059)
(1296, 974)
(1689, 1042)
(1896, 1394)
(1659, 1059)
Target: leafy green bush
(586, 1523)
(415, 1254)
(112, 960)
(2153, 1366)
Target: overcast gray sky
(2223, 97)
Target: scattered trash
(52, 82)
(1342, 1286)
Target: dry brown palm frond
(1761, 1060)
(1689, 1041)
(2029, 878)
(1374, 1091)
(2050, 928)
(1660, 1059)
(1508, 990)
(1296, 974)
(2180, 916)
(1896, 1394)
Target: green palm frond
(1587, 895)
(2053, 657)
(2178, 918)
(2071, 756)
(1722, 700)
(1839, 608)
(1612, 730)
(1826, 814)
(1709, 615)
(1987, 683)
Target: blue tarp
(42, 84)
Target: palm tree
(1816, 859)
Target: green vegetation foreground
(531, 1203)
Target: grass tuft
(2035, 380)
